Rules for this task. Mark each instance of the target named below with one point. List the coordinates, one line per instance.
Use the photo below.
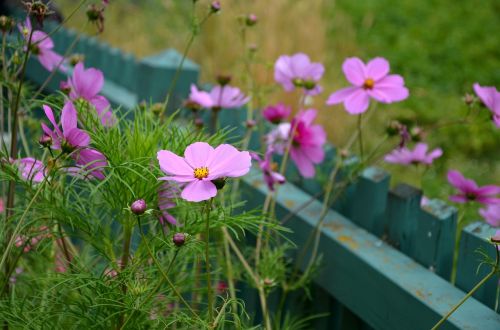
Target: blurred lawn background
(441, 47)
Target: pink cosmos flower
(491, 99)
(491, 214)
(470, 192)
(2, 206)
(70, 137)
(31, 169)
(86, 84)
(91, 162)
(369, 81)
(167, 194)
(219, 97)
(405, 156)
(42, 46)
(271, 177)
(278, 138)
(73, 140)
(297, 71)
(201, 165)
(276, 113)
(199, 98)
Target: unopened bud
(468, 99)
(157, 108)
(251, 20)
(38, 9)
(219, 183)
(223, 79)
(268, 282)
(76, 58)
(138, 207)
(215, 6)
(6, 24)
(198, 122)
(179, 239)
(250, 123)
(45, 141)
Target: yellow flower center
(201, 172)
(369, 83)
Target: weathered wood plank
(386, 288)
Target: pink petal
(50, 60)
(377, 68)
(456, 179)
(341, 95)
(78, 138)
(42, 40)
(199, 190)
(304, 165)
(179, 178)
(198, 154)
(354, 71)
(357, 103)
(226, 160)
(316, 154)
(170, 163)
(486, 94)
(488, 190)
(458, 199)
(50, 116)
(69, 118)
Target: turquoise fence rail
(387, 260)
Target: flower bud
(138, 207)
(38, 10)
(6, 24)
(251, 20)
(252, 48)
(76, 58)
(268, 282)
(223, 79)
(45, 141)
(250, 123)
(198, 122)
(219, 183)
(65, 87)
(468, 99)
(157, 108)
(215, 6)
(179, 239)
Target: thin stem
(360, 140)
(207, 262)
(165, 276)
(214, 115)
(157, 287)
(230, 278)
(471, 292)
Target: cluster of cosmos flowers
(199, 174)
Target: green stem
(157, 287)
(471, 292)
(360, 132)
(207, 263)
(165, 276)
(230, 279)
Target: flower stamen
(369, 83)
(201, 172)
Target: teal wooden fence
(386, 260)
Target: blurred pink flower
(271, 177)
(167, 193)
(297, 71)
(225, 97)
(42, 47)
(86, 84)
(70, 137)
(491, 214)
(369, 81)
(31, 169)
(199, 98)
(201, 165)
(307, 144)
(75, 141)
(276, 113)
(2, 207)
(491, 99)
(405, 156)
(278, 138)
(218, 98)
(470, 192)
